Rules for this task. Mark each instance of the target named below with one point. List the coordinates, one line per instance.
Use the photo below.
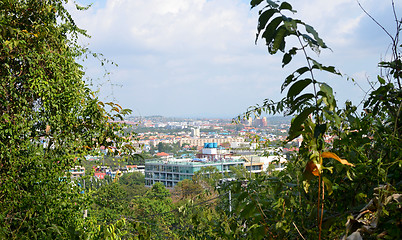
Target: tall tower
(264, 122)
(195, 132)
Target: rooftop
(192, 162)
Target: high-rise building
(195, 132)
(260, 122)
(247, 122)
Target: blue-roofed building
(171, 171)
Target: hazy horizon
(197, 58)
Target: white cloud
(166, 24)
(203, 51)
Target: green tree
(49, 118)
(209, 175)
(187, 189)
(152, 214)
(110, 201)
(132, 180)
(161, 147)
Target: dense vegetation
(50, 119)
(319, 192)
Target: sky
(197, 58)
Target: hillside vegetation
(349, 186)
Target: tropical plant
(281, 205)
(49, 119)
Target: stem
(396, 121)
(318, 206)
(298, 231)
(364, 10)
(394, 40)
(322, 209)
(312, 76)
(320, 194)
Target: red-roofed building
(162, 154)
(131, 166)
(100, 175)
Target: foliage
(209, 175)
(314, 179)
(152, 212)
(325, 185)
(187, 189)
(49, 118)
(168, 148)
(132, 180)
(109, 202)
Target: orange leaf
(312, 168)
(47, 128)
(118, 106)
(334, 156)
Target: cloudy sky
(197, 58)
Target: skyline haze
(197, 58)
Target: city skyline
(197, 58)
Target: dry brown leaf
(312, 168)
(334, 156)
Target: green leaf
(326, 89)
(279, 41)
(381, 80)
(311, 30)
(287, 57)
(286, 5)
(263, 19)
(306, 183)
(298, 102)
(309, 40)
(328, 97)
(328, 185)
(320, 129)
(290, 24)
(254, 3)
(297, 87)
(360, 196)
(330, 69)
(272, 4)
(296, 125)
(270, 30)
(291, 78)
(349, 175)
(248, 210)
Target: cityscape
(200, 119)
(173, 149)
